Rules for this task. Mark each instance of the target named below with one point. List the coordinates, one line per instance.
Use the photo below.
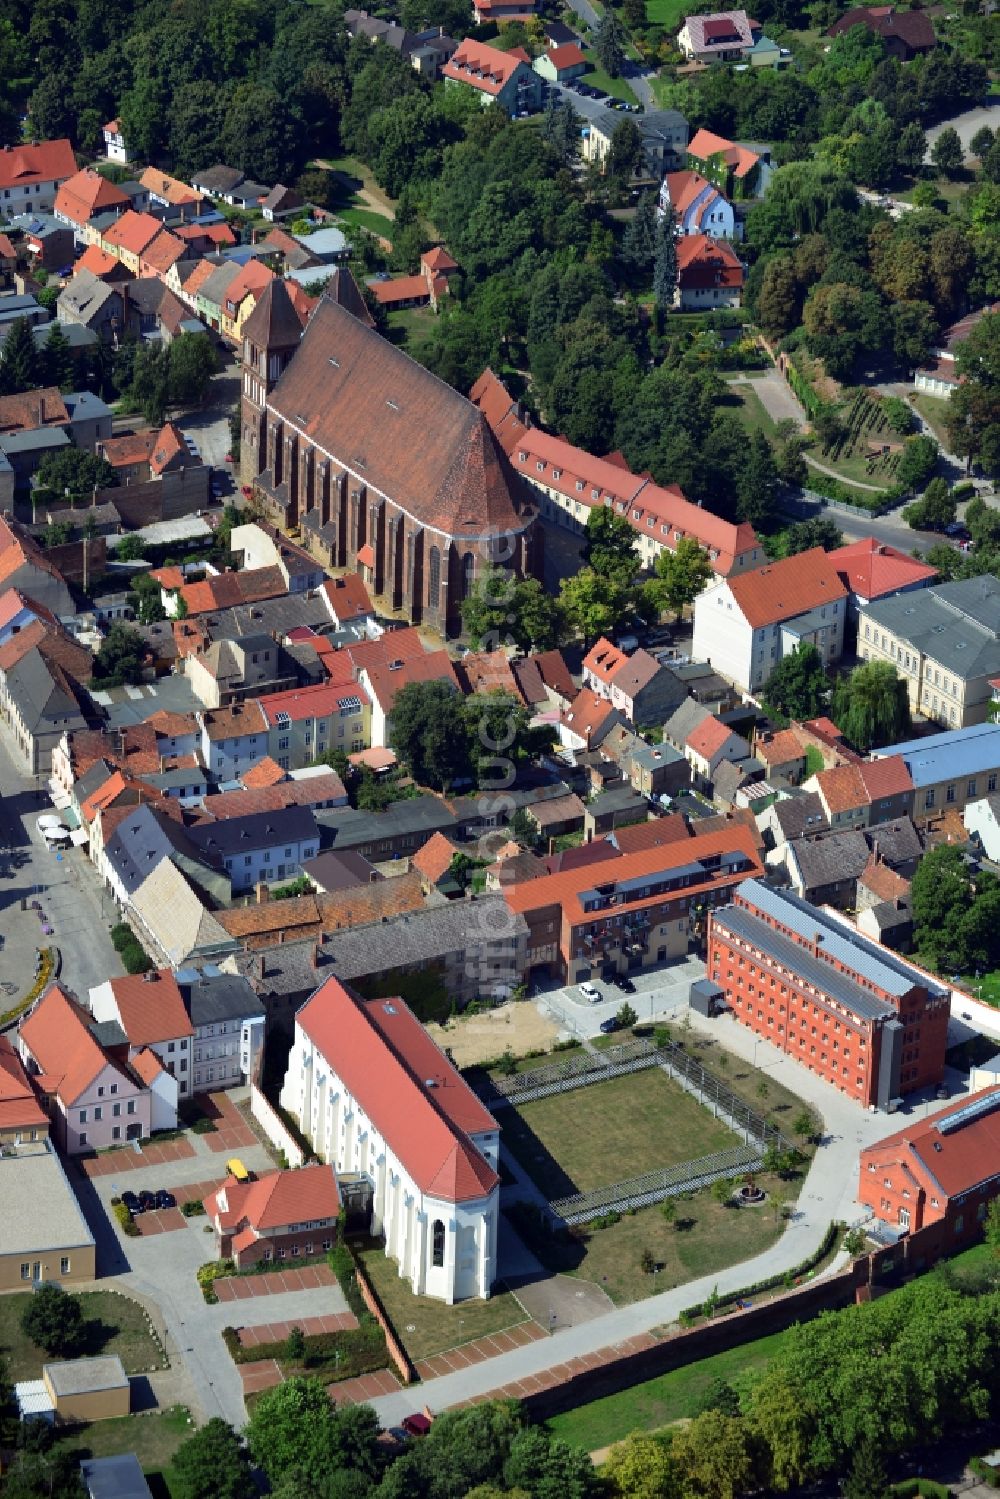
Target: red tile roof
(885, 777)
(347, 597)
(486, 671)
(780, 749)
(842, 788)
(56, 1034)
(704, 145)
(554, 672)
(704, 261)
(415, 1098)
(883, 881)
(87, 193)
(23, 166)
(586, 713)
(266, 772)
(709, 738)
(133, 232)
(434, 858)
(169, 188)
(388, 679)
(956, 1160)
(147, 1066)
(399, 289)
(277, 1200)
(603, 660)
(23, 412)
(567, 56)
(438, 259)
(151, 1007)
(161, 253)
(7, 250)
(873, 570)
(642, 835)
(781, 590)
(97, 261)
(19, 1108)
(311, 702)
(484, 68)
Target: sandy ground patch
(480, 1038)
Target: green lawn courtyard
(597, 78)
(426, 1326)
(666, 13)
(115, 1325)
(593, 1136)
(153, 1437)
(743, 402)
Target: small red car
(416, 1425)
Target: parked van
(236, 1169)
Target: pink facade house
(94, 1099)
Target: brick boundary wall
(394, 1347)
(274, 1127)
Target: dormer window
(522, 456)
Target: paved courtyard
(274, 1283)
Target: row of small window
(307, 853)
(116, 1132)
(116, 1110)
(951, 792)
(296, 1250)
(114, 1086)
(32, 1269)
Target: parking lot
(660, 994)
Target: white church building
(374, 1095)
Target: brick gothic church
(383, 468)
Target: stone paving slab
(262, 1375)
(277, 1332)
(166, 1221)
(365, 1387)
(195, 1191)
(128, 1159)
(273, 1283)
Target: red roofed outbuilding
(373, 1093)
(709, 274)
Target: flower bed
(46, 969)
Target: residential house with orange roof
(94, 1100)
(744, 626)
(783, 755)
(634, 911)
(938, 1169)
(22, 1117)
(872, 570)
(570, 484)
(586, 721)
(699, 207)
(147, 455)
(86, 194)
(710, 744)
(348, 601)
(160, 254)
(381, 681)
(128, 236)
(560, 64)
(496, 77)
(100, 263)
(282, 1215)
(709, 274)
(373, 1093)
(425, 288)
(843, 796)
(148, 1011)
(637, 684)
(433, 862)
(736, 170)
(172, 193)
(883, 906)
(31, 175)
(241, 297)
(304, 723)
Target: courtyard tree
(74, 474)
(946, 152)
(871, 706)
(942, 892)
(428, 733)
(934, 510)
(798, 686)
(916, 462)
(679, 576)
(610, 547)
(213, 1463)
(121, 657)
(610, 42)
(592, 603)
(54, 1321)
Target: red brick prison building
(866, 1021)
(379, 465)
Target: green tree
(593, 604)
(720, 1396)
(212, 1464)
(75, 474)
(54, 1321)
(610, 548)
(22, 366)
(626, 1016)
(665, 260)
(121, 657)
(294, 1427)
(974, 409)
(991, 1227)
(192, 363)
(642, 1467)
(502, 608)
(942, 892)
(639, 239)
(295, 1343)
(871, 706)
(429, 734)
(782, 1416)
(716, 1454)
(803, 535)
(916, 462)
(867, 1476)
(756, 484)
(679, 576)
(798, 686)
(804, 1125)
(146, 598)
(934, 510)
(610, 42)
(57, 359)
(946, 152)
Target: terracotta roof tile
(708, 737)
(780, 748)
(151, 1007)
(385, 1059)
(266, 772)
(874, 570)
(784, 589)
(348, 597)
(277, 1200)
(133, 232)
(433, 860)
(48, 161)
(842, 788)
(885, 777)
(87, 193)
(56, 1033)
(883, 881)
(19, 1108)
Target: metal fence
(580, 1071)
(656, 1186)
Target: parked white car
(591, 993)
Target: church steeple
(270, 337)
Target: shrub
(214, 1270)
(135, 958)
(121, 936)
(193, 1209)
(983, 1471)
(337, 1355)
(203, 1125)
(701, 1309)
(125, 1220)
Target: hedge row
(772, 1283)
(846, 494)
(128, 947)
(337, 1355)
(125, 1220)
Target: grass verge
(114, 1325)
(426, 1326)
